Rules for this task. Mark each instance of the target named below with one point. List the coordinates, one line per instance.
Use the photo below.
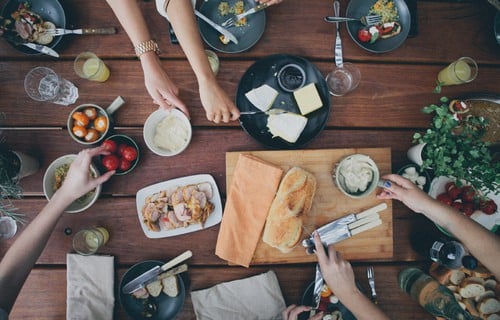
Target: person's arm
(482, 244)
(24, 252)
(215, 101)
(270, 2)
(339, 277)
(160, 87)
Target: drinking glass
(343, 79)
(43, 84)
(88, 241)
(88, 66)
(460, 71)
(213, 60)
(8, 228)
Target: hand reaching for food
(270, 2)
(293, 311)
(218, 106)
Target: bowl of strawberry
(463, 197)
(124, 154)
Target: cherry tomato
(129, 153)
(449, 185)
(120, 149)
(444, 198)
(468, 194)
(90, 112)
(457, 205)
(110, 162)
(101, 124)
(468, 209)
(110, 145)
(79, 131)
(124, 165)
(80, 118)
(454, 192)
(364, 35)
(488, 206)
(92, 135)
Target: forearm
(181, 16)
(362, 307)
(24, 252)
(482, 244)
(130, 16)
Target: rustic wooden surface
(383, 112)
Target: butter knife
(61, 31)
(339, 61)
(40, 48)
(217, 27)
(255, 9)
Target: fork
(231, 21)
(366, 20)
(371, 281)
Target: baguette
(283, 228)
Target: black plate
(358, 8)
(307, 300)
(247, 35)
(265, 71)
(496, 26)
(490, 97)
(167, 307)
(49, 10)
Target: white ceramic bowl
(354, 165)
(154, 120)
(49, 178)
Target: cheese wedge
(262, 97)
(287, 126)
(308, 99)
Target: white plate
(214, 218)
(490, 222)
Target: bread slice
(154, 288)
(456, 277)
(471, 290)
(489, 306)
(490, 284)
(170, 286)
(485, 295)
(283, 228)
(494, 316)
(141, 293)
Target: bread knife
(152, 273)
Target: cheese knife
(217, 27)
(152, 273)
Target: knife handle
(110, 30)
(183, 256)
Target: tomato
(468, 209)
(129, 153)
(110, 162)
(454, 192)
(79, 131)
(124, 165)
(457, 205)
(488, 206)
(449, 185)
(364, 35)
(101, 124)
(468, 194)
(110, 145)
(120, 149)
(80, 119)
(444, 198)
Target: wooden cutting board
(329, 203)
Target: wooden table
(384, 111)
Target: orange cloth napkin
(251, 193)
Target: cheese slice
(262, 97)
(287, 126)
(308, 99)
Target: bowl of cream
(356, 175)
(167, 133)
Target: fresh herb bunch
(9, 187)
(454, 148)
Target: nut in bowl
(167, 133)
(356, 176)
(54, 177)
(124, 154)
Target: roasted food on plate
(178, 207)
(388, 26)
(29, 25)
(283, 229)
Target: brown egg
(101, 124)
(92, 135)
(80, 118)
(90, 112)
(79, 131)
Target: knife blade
(346, 227)
(166, 274)
(40, 48)
(154, 272)
(85, 31)
(318, 286)
(217, 27)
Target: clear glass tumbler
(343, 79)
(43, 84)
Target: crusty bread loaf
(293, 199)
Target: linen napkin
(251, 193)
(254, 298)
(90, 284)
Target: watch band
(146, 46)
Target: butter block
(262, 97)
(308, 99)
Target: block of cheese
(308, 99)
(262, 97)
(287, 126)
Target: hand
(163, 91)
(270, 2)
(217, 104)
(405, 191)
(337, 272)
(78, 180)
(293, 311)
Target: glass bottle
(431, 295)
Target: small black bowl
(423, 173)
(122, 139)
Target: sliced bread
(170, 287)
(471, 290)
(154, 288)
(489, 306)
